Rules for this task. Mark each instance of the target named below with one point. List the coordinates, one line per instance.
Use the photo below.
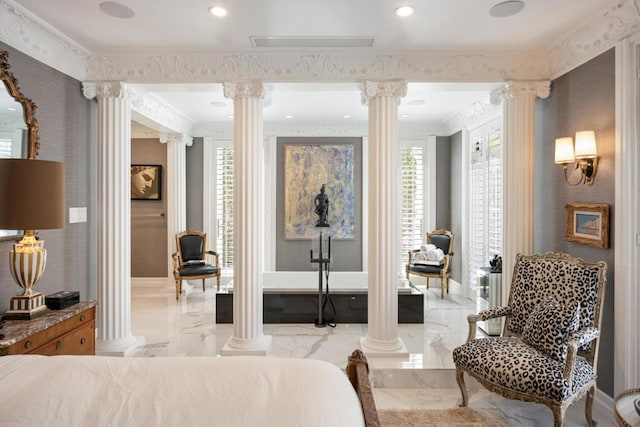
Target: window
(413, 198)
(485, 197)
(224, 208)
(6, 146)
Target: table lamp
(31, 198)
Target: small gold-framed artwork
(588, 223)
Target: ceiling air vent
(300, 42)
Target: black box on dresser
(62, 299)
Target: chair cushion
(425, 268)
(197, 270)
(510, 363)
(548, 327)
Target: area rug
(454, 417)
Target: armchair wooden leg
(218, 288)
(203, 285)
(588, 407)
(463, 387)
(442, 287)
(178, 288)
(447, 284)
(558, 416)
(427, 283)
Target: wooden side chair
(189, 259)
(440, 269)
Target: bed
(177, 391)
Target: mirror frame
(28, 109)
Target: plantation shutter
(413, 199)
(485, 196)
(224, 208)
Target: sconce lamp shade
(31, 194)
(564, 150)
(586, 145)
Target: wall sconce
(31, 198)
(585, 156)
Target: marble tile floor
(425, 379)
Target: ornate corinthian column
(176, 190)
(518, 171)
(248, 337)
(384, 217)
(114, 218)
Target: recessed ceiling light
(288, 116)
(116, 10)
(404, 11)
(11, 109)
(506, 8)
(218, 104)
(347, 116)
(217, 10)
(417, 102)
(229, 116)
(404, 116)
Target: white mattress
(172, 391)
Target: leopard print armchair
(548, 349)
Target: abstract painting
(306, 169)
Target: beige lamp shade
(564, 150)
(586, 145)
(31, 194)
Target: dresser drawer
(80, 341)
(84, 321)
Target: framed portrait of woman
(146, 182)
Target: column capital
(536, 88)
(105, 90)
(244, 90)
(372, 89)
(178, 138)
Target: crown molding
(29, 34)
(157, 115)
(24, 31)
(595, 37)
(353, 67)
(406, 130)
(478, 113)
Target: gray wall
(443, 180)
(148, 225)
(67, 134)
(195, 178)
(293, 255)
(455, 191)
(583, 99)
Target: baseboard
(149, 282)
(603, 405)
(455, 287)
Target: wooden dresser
(69, 331)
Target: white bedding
(195, 391)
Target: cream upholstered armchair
(548, 350)
(428, 264)
(189, 259)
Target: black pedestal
(283, 306)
